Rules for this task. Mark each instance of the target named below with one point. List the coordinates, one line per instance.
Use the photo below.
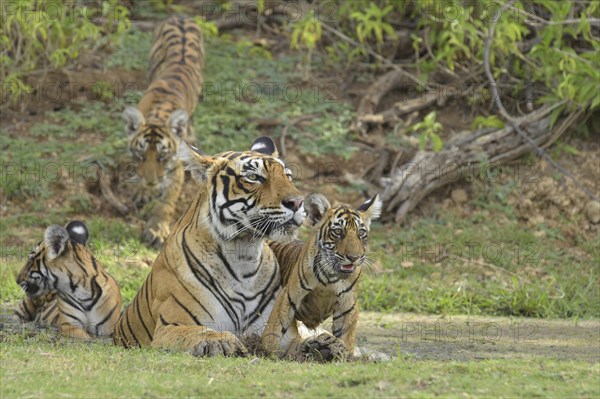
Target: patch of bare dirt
(477, 338)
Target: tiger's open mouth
(348, 268)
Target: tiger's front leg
(281, 319)
(172, 333)
(345, 319)
(70, 328)
(161, 211)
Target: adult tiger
(320, 277)
(66, 286)
(162, 118)
(216, 278)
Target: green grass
(494, 266)
(41, 367)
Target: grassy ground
(484, 261)
(41, 367)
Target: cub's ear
(194, 161)
(265, 145)
(55, 239)
(316, 205)
(371, 209)
(78, 232)
(133, 120)
(178, 122)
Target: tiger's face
(251, 192)
(49, 259)
(153, 146)
(342, 233)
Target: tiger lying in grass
(216, 279)
(67, 287)
(320, 277)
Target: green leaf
(437, 142)
(422, 141)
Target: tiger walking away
(162, 118)
(320, 277)
(67, 287)
(215, 279)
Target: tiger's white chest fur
(241, 279)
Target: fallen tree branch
(392, 115)
(504, 113)
(479, 150)
(373, 95)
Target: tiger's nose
(292, 203)
(352, 258)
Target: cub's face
(251, 193)
(153, 147)
(49, 260)
(33, 276)
(342, 233)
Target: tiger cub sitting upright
(67, 287)
(162, 118)
(320, 276)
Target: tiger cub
(320, 276)
(67, 287)
(162, 118)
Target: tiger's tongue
(348, 267)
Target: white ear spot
(78, 230)
(259, 146)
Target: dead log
(427, 171)
(392, 115)
(373, 96)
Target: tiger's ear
(371, 209)
(194, 161)
(55, 238)
(316, 205)
(78, 232)
(265, 145)
(178, 122)
(133, 120)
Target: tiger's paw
(323, 348)
(155, 236)
(227, 346)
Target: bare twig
(541, 21)
(504, 113)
